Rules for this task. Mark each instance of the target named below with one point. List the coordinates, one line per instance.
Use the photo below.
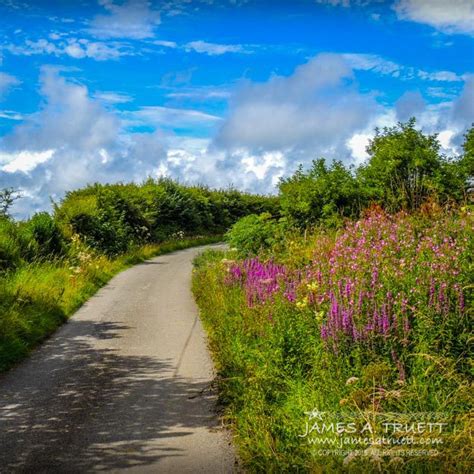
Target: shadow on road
(89, 408)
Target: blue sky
(219, 92)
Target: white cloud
(358, 144)
(440, 76)
(453, 16)
(261, 165)
(463, 109)
(410, 104)
(373, 62)
(335, 3)
(68, 119)
(7, 82)
(169, 116)
(24, 160)
(11, 115)
(349, 3)
(271, 128)
(133, 19)
(113, 97)
(73, 140)
(213, 49)
(385, 67)
(313, 109)
(166, 44)
(201, 93)
(77, 48)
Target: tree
(402, 168)
(7, 197)
(323, 193)
(467, 160)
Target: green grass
(38, 297)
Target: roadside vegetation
(52, 263)
(354, 305)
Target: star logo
(314, 414)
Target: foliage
(405, 169)
(323, 193)
(402, 168)
(114, 218)
(7, 197)
(42, 237)
(374, 322)
(255, 233)
(10, 251)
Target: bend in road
(126, 384)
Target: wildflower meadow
(375, 325)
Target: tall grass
(36, 298)
(368, 324)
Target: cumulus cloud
(463, 109)
(410, 104)
(454, 16)
(72, 140)
(68, 119)
(24, 160)
(275, 125)
(77, 137)
(133, 19)
(7, 82)
(313, 109)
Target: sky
(222, 93)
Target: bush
(255, 233)
(10, 251)
(114, 218)
(43, 236)
(322, 194)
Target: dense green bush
(10, 251)
(114, 218)
(42, 236)
(255, 233)
(321, 194)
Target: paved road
(124, 385)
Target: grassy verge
(36, 298)
(279, 358)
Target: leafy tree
(403, 166)
(467, 160)
(322, 194)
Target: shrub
(44, 236)
(10, 251)
(255, 233)
(321, 194)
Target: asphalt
(125, 385)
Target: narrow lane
(124, 385)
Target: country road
(124, 385)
